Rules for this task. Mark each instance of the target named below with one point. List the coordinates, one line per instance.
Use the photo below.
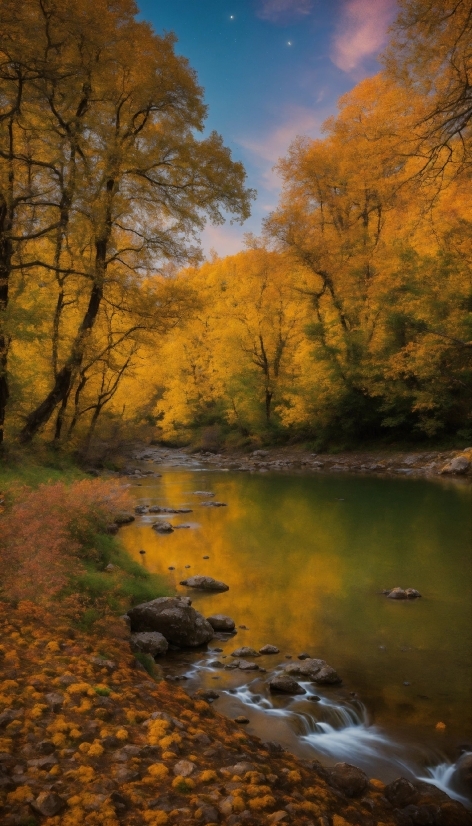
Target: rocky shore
(87, 737)
(425, 464)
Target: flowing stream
(306, 558)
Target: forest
(348, 319)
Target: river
(306, 558)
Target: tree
(112, 114)
(430, 55)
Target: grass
(33, 468)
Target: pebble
(142, 552)
(206, 557)
(241, 720)
(171, 568)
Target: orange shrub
(45, 532)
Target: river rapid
(306, 557)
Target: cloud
(269, 147)
(361, 31)
(224, 240)
(283, 11)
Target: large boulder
(284, 684)
(401, 793)
(205, 583)
(348, 779)
(327, 676)
(174, 618)
(220, 622)
(149, 642)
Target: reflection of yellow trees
(305, 573)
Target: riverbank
(421, 464)
(87, 737)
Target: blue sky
(271, 70)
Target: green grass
(34, 468)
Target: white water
(343, 733)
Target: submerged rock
(157, 509)
(174, 618)
(285, 685)
(214, 504)
(124, 518)
(205, 583)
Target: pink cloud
(268, 148)
(224, 240)
(283, 11)
(361, 31)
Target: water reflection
(306, 558)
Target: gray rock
(220, 622)
(54, 701)
(149, 642)
(244, 665)
(401, 793)
(457, 466)
(163, 527)
(327, 676)
(397, 593)
(400, 593)
(214, 504)
(207, 694)
(245, 651)
(7, 716)
(307, 668)
(348, 779)
(285, 685)
(205, 583)
(157, 509)
(174, 618)
(141, 509)
(49, 804)
(124, 518)
(184, 768)
(269, 649)
(203, 493)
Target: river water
(306, 558)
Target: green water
(306, 558)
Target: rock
(397, 593)
(163, 527)
(48, 804)
(141, 509)
(244, 665)
(112, 529)
(327, 676)
(183, 768)
(214, 504)
(157, 509)
(269, 649)
(241, 720)
(304, 656)
(100, 662)
(216, 664)
(149, 642)
(205, 583)
(174, 618)
(285, 685)
(400, 593)
(124, 518)
(203, 493)
(110, 567)
(245, 651)
(463, 771)
(220, 622)
(54, 701)
(457, 466)
(348, 779)
(400, 793)
(7, 716)
(207, 694)
(308, 668)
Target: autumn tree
(112, 115)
